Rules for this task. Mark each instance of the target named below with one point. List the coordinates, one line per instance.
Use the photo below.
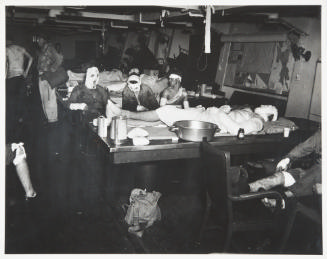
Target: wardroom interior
(163, 129)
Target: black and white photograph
(162, 128)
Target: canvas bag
(143, 208)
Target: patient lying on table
(229, 121)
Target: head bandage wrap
(174, 76)
(266, 110)
(134, 83)
(92, 77)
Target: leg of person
(268, 182)
(23, 172)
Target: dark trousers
(17, 110)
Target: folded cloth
(77, 106)
(273, 127)
(137, 132)
(140, 141)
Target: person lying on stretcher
(228, 120)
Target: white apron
(49, 101)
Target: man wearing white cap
(137, 96)
(174, 94)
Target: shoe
(28, 198)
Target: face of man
(40, 41)
(134, 83)
(92, 78)
(175, 80)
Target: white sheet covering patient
(229, 121)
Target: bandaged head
(175, 77)
(92, 77)
(136, 192)
(134, 83)
(267, 110)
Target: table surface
(169, 149)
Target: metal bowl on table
(192, 130)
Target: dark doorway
(202, 67)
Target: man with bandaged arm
(298, 182)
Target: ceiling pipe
(123, 17)
(108, 16)
(78, 22)
(207, 36)
(112, 25)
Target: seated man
(229, 121)
(15, 153)
(174, 94)
(298, 182)
(137, 96)
(89, 96)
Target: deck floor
(71, 214)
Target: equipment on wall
(298, 52)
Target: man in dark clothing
(137, 96)
(93, 96)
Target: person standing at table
(49, 60)
(16, 90)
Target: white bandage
(288, 179)
(174, 76)
(186, 104)
(163, 101)
(92, 77)
(77, 106)
(20, 152)
(134, 83)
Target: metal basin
(191, 130)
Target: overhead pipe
(123, 17)
(112, 25)
(207, 36)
